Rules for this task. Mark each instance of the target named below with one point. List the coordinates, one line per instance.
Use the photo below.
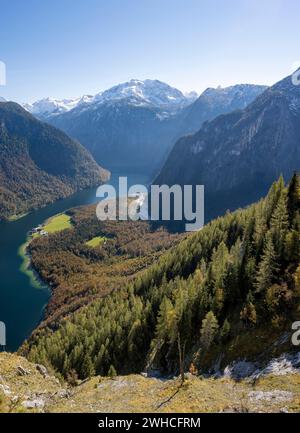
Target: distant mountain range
(135, 124)
(48, 107)
(39, 163)
(133, 127)
(238, 155)
(140, 93)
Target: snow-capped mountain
(147, 92)
(135, 124)
(50, 106)
(135, 92)
(191, 96)
(2, 99)
(215, 101)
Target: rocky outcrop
(238, 155)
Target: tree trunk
(181, 358)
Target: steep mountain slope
(121, 133)
(213, 102)
(127, 125)
(135, 124)
(238, 155)
(229, 292)
(39, 163)
(28, 387)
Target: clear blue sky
(66, 48)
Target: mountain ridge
(31, 173)
(152, 92)
(231, 154)
(135, 124)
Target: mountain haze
(135, 124)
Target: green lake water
(22, 299)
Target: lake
(22, 301)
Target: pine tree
(166, 321)
(260, 227)
(208, 330)
(280, 223)
(292, 246)
(248, 313)
(267, 266)
(294, 196)
(225, 330)
(87, 367)
(219, 265)
(181, 353)
(272, 198)
(112, 372)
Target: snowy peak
(151, 92)
(51, 106)
(191, 96)
(242, 94)
(148, 93)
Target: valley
(134, 304)
(227, 292)
(23, 297)
(86, 259)
(149, 214)
(126, 125)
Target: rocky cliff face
(238, 155)
(216, 101)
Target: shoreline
(17, 217)
(26, 267)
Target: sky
(68, 48)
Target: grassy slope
(58, 223)
(95, 242)
(135, 393)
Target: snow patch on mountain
(147, 92)
(241, 92)
(191, 96)
(53, 106)
(135, 92)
